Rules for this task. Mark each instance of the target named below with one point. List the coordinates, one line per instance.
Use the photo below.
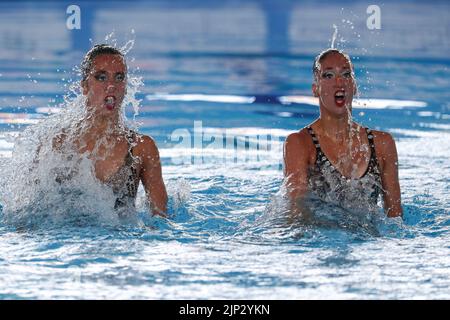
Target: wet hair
(321, 56)
(96, 50)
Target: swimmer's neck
(336, 128)
(95, 126)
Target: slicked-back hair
(321, 56)
(96, 50)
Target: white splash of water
(333, 39)
(334, 210)
(179, 191)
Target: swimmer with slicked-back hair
(121, 158)
(335, 158)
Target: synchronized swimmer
(335, 158)
(121, 157)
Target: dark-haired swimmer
(121, 158)
(335, 158)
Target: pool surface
(239, 72)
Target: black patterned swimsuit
(327, 183)
(125, 181)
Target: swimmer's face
(335, 84)
(105, 86)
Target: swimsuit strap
(130, 162)
(373, 162)
(131, 137)
(320, 156)
(130, 158)
(131, 181)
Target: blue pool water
(239, 70)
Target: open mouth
(339, 98)
(110, 102)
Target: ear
(315, 89)
(84, 87)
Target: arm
(296, 162)
(389, 174)
(151, 176)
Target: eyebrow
(332, 69)
(103, 71)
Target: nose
(110, 88)
(339, 80)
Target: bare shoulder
(146, 146)
(385, 148)
(299, 140)
(383, 141)
(299, 147)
